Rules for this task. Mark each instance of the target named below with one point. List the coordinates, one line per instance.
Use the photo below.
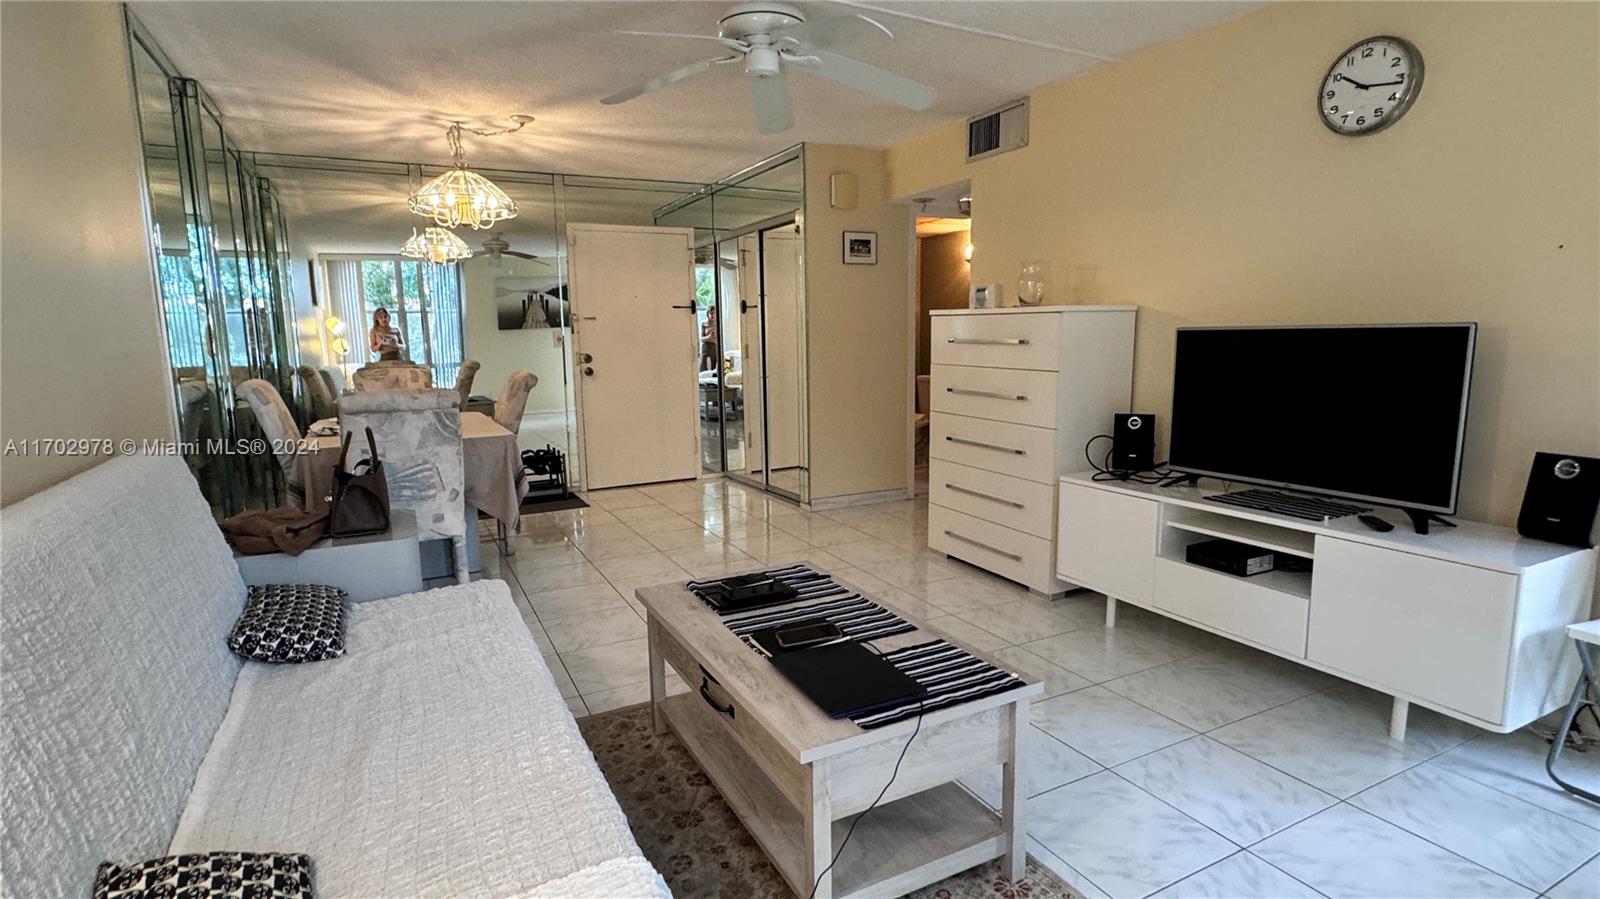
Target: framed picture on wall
(860, 248)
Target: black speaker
(1562, 499)
(1133, 442)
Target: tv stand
(1467, 622)
(1421, 517)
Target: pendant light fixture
(461, 196)
(435, 244)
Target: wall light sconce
(967, 253)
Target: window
(424, 304)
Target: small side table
(1585, 637)
(376, 566)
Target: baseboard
(856, 499)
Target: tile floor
(1165, 761)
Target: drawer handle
(997, 551)
(705, 693)
(980, 444)
(991, 341)
(992, 394)
(992, 498)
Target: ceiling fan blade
(528, 256)
(662, 81)
(871, 79)
(741, 46)
(827, 30)
(771, 96)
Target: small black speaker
(1133, 442)
(1562, 499)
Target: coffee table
(797, 778)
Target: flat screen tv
(1368, 412)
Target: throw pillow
(290, 623)
(209, 875)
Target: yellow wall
(80, 339)
(1196, 180)
(857, 331)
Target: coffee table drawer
(732, 719)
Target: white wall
(81, 348)
(502, 352)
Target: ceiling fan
(770, 38)
(497, 247)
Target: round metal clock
(1370, 85)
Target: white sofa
(435, 759)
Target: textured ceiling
(380, 80)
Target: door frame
(573, 304)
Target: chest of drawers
(1016, 393)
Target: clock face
(1370, 85)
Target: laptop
(846, 679)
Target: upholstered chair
(272, 414)
(514, 399)
(469, 370)
(333, 376)
(393, 376)
(419, 442)
(323, 404)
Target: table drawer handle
(992, 394)
(964, 539)
(705, 693)
(988, 496)
(991, 341)
(981, 445)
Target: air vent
(998, 130)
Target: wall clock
(1370, 85)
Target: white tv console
(1466, 621)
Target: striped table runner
(951, 674)
(820, 597)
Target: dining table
(491, 467)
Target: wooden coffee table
(797, 778)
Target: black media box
(1230, 557)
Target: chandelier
(435, 244)
(461, 196)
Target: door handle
(588, 371)
(980, 444)
(586, 358)
(988, 496)
(979, 543)
(688, 306)
(746, 307)
(990, 341)
(992, 394)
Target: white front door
(636, 352)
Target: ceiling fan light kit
(772, 37)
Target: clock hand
(1356, 83)
(1381, 83)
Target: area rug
(696, 841)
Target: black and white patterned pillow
(208, 875)
(290, 623)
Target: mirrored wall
(751, 312)
(218, 237)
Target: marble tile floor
(1166, 761)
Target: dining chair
(513, 399)
(393, 376)
(418, 433)
(464, 377)
(272, 414)
(323, 404)
(333, 376)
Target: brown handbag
(360, 503)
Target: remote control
(1375, 523)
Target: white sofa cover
(436, 758)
